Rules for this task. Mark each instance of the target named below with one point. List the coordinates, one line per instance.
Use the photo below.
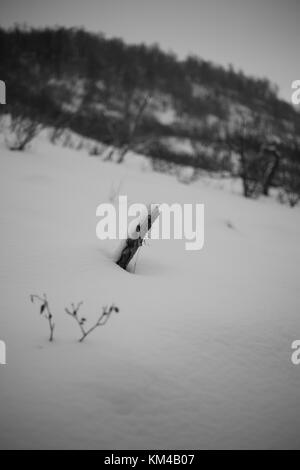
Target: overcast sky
(261, 37)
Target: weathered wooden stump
(135, 241)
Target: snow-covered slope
(199, 355)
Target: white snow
(178, 145)
(199, 355)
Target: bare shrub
(259, 154)
(114, 192)
(81, 321)
(45, 312)
(73, 312)
(124, 131)
(21, 131)
(290, 176)
(55, 134)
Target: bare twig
(102, 320)
(134, 126)
(128, 125)
(22, 131)
(45, 311)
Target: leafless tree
(21, 131)
(259, 154)
(124, 130)
(272, 156)
(290, 174)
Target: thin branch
(45, 311)
(74, 314)
(134, 126)
(102, 320)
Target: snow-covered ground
(199, 355)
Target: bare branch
(102, 320)
(22, 131)
(45, 311)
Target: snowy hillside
(199, 355)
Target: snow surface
(199, 355)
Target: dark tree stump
(133, 243)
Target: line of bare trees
(267, 154)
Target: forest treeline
(141, 98)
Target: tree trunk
(134, 242)
(270, 174)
